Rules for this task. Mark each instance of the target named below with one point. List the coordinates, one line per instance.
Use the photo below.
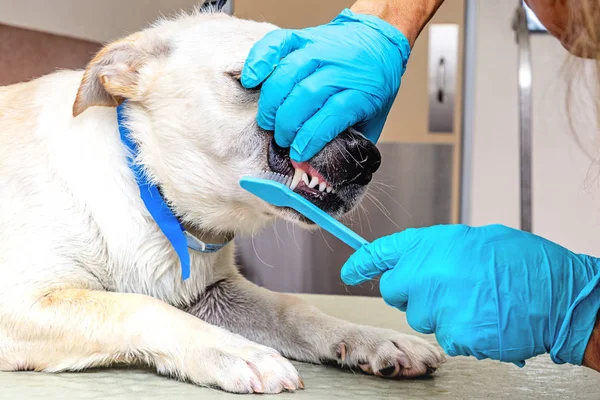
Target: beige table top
(459, 378)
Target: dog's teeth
(314, 182)
(297, 178)
(322, 186)
(329, 189)
(305, 178)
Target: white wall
(566, 204)
(566, 182)
(99, 21)
(494, 175)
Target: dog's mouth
(335, 179)
(307, 181)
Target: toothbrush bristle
(277, 177)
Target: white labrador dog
(87, 279)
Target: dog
(87, 278)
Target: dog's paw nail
(289, 386)
(301, 383)
(404, 360)
(366, 368)
(392, 370)
(257, 386)
(341, 351)
(441, 358)
(431, 370)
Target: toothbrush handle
(331, 225)
(346, 234)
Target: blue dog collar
(168, 223)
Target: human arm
(408, 16)
(489, 292)
(317, 82)
(591, 357)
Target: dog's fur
(86, 277)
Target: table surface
(460, 378)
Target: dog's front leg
(73, 329)
(301, 332)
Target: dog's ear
(112, 76)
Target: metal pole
(524, 77)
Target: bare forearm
(591, 358)
(409, 16)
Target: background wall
(86, 19)
(75, 30)
(26, 54)
(566, 194)
(494, 170)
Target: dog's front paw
(388, 354)
(243, 367)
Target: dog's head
(196, 124)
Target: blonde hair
(583, 27)
(583, 36)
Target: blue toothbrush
(275, 189)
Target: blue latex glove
(489, 292)
(320, 81)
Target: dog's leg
(73, 329)
(301, 332)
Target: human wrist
(387, 31)
(408, 16)
(591, 357)
(580, 322)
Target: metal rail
(524, 84)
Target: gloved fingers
(446, 341)
(305, 99)
(292, 70)
(377, 257)
(394, 286)
(361, 267)
(341, 111)
(372, 128)
(472, 337)
(266, 54)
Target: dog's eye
(237, 76)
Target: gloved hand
(490, 292)
(320, 81)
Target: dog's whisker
(325, 240)
(364, 210)
(350, 154)
(384, 213)
(259, 257)
(395, 201)
(382, 207)
(341, 152)
(294, 236)
(278, 238)
(379, 183)
(359, 218)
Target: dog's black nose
(363, 158)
